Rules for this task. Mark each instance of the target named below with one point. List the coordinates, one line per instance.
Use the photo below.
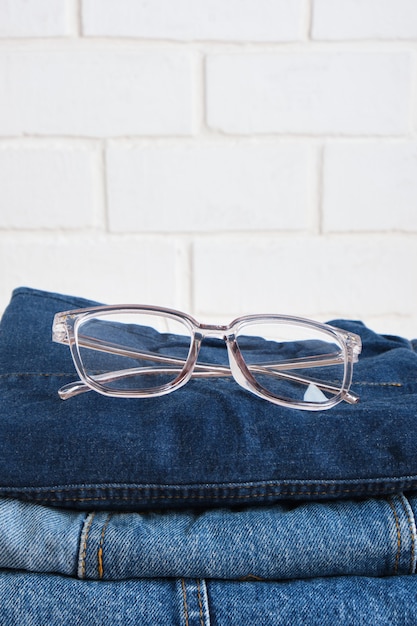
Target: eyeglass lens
(296, 363)
(138, 351)
(133, 351)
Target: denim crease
(374, 537)
(208, 444)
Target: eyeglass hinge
(59, 333)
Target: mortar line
(104, 187)
(320, 189)
(79, 18)
(308, 23)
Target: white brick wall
(364, 19)
(190, 20)
(35, 18)
(231, 186)
(94, 91)
(351, 93)
(221, 157)
(47, 187)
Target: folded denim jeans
(39, 599)
(207, 444)
(374, 537)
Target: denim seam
(364, 488)
(411, 525)
(205, 600)
(200, 603)
(184, 601)
(381, 384)
(83, 544)
(43, 374)
(100, 566)
(356, 382)
(398, 533)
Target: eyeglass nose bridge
(217, 331)
(238, 367)
(237, 364)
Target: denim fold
(210, 443)
(374, 537)
(39, 599)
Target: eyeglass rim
(66, 323)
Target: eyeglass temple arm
(72, 389)
(202, 369)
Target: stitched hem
(122, 496)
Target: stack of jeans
(208, 506)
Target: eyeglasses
(135, 351)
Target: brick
(110, 270)
(370, 187)
(209, 186)
(94, 91)
(309, 92)
(230, 20)
(47, 187)
(364, 19)
(319, 277)
(34, 18)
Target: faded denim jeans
(346, 562)
(45, 599)
(373, 537)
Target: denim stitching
(398, 531)
(44, 374)
(85, 532)
(184, 601)
(356, 382)
(280, 492)
(200, 603)
(411, 526)
(100, 568)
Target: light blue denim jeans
(52, 600)
(374, 537)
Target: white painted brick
(47, 187)
(309, 92)
(34, 18)
(322, 277)
(238, 20)
(121, 270)
(94, 90)
(209, 186)
(360, 19)
(370, 187)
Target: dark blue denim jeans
(208, 444)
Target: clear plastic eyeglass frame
(66, 327)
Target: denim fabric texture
(207, 507)
(204, 445)
(52, 600)
(375, 537)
